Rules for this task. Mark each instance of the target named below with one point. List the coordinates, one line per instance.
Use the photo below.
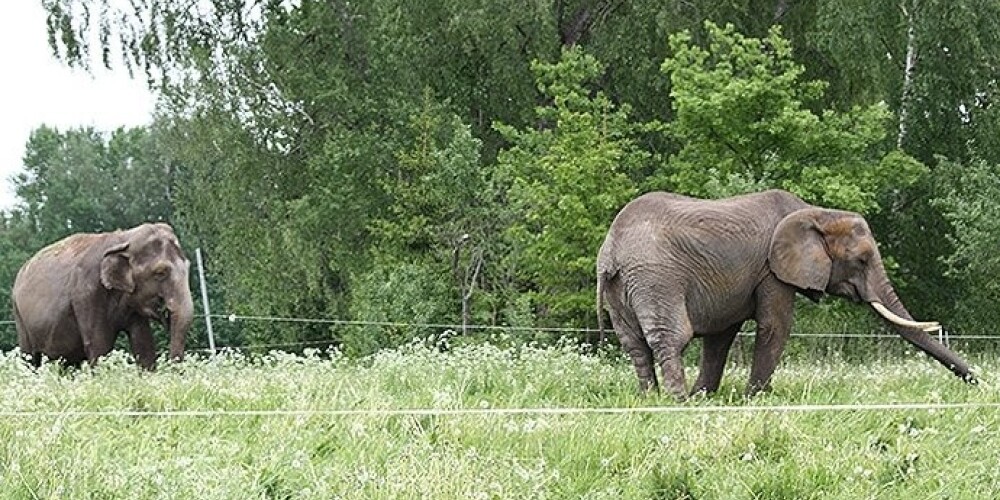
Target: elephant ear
(116, 269)
(798, 254)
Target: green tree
(427, 247)
(969, 200)
(434, 185)
(906, 53)
(18, 241)
(565, 181)
(743, 116)
(83, 180)
(933, 62)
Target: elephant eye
(161, 273)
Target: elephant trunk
(181, 314)
(915, 332)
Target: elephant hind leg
(714, 352)
(630, 336)
(668, 339)
(642, 360)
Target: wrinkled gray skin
(74, 296)
(673, 267)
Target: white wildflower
(358, 430)
(442, 399)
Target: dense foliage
(442, 162)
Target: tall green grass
(697, 454)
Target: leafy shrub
(401, 298)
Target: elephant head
(150, 270)
(830, 251)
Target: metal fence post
(204, 300)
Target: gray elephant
(673, 267)
(74, 296)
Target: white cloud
(36, 89)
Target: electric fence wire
(486, 412)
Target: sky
(36, 89)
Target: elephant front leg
(774, 325)
(96, 335)
(767, 349)
(143, 346)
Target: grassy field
(907, 454)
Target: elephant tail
(602, 279)
(606, 269)
(23, 341)
(600, 311)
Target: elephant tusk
(927, 326)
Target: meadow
(87, 433)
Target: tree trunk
(572, 30)
(906, 100)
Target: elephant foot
(705, 386)
(701, 391)
(755, 389)
(648, 390)
(648, 385)
(680, 397)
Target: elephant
(73, 297)
(673, 267)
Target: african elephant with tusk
(74, 296)
(672, 268)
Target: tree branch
(585, 18)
